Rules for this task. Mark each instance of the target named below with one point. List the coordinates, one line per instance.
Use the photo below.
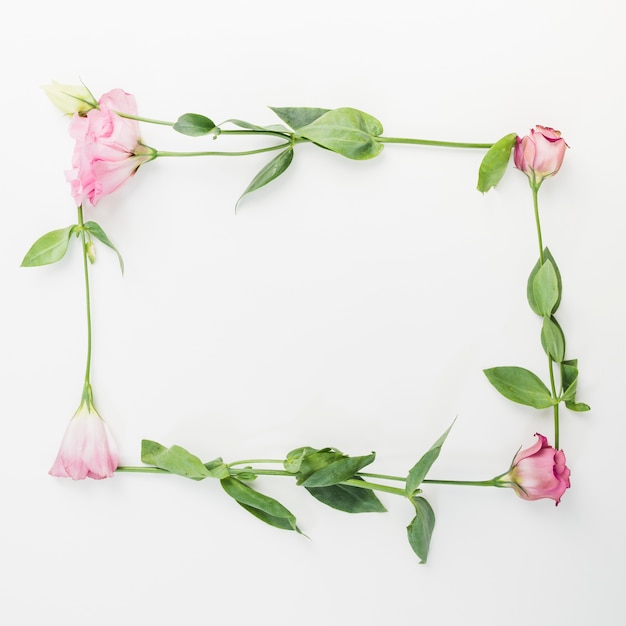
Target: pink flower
(88, 449)
(108, 149)
(538, 472)
(539, 154)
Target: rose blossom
(108, 149)
(538, 472)
(88, 449)
(539, 154)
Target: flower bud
(539, 154)
(71, 99)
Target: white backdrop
(348, 304)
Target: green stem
(556, 406)
(144, 119)
(362, 484)
(430, 142)
(535, 189)
(251, 461)
(211, 153)
(87, 293)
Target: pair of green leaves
(53, 246)
(179, 461)
(321, 473)
(346, 131)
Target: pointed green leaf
(520, 385)
(495, 162)
(420, 530)
(50, 248)
(294, 459)
(547, 256)
(552, 339)
(546, 288)
(261, 506)
(277, 128)
(347, 131)
(99, 234)
(194, 125)
(420, 469)
(579, 407)
(179, 461)
(347, 498)
(569, 379)
(339, 470)
(271, 171)
(297, 117)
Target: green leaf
(420, 530)
(495, 162)
(420, 469)
(294, 459)
(336, 471)
(547, 256)
(546, 290)
(579, 407)
(520, 385)
(194, 125)
(269, 172)
(50, 248)
(297, 117)
(569, 383)
(552, 339)
(261, 506)
(178, 461)
(347, 498)
(347, 131)
(99, 234)
(277, 128)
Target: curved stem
(432, 142)
(87, 293)
(535, 189)
(160, 153)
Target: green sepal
(553, 339)
(297, 117)
(269, 172)
(179, 461)
(49, 248)
(420, 529)
(346, 131)
(520, 385)
(261, 506)
(420, 469)
(530, 289)
(194, 125)
(96, 230)
(494, 163)
(347, 498)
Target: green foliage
(347, 498)
(297, 117)
(269, 172)
(324, 467)
(346, 131)
(420, 469)
(194, 125)
(530, 287)
(569, 382)
(520, 385)
(178, 461)
(545, 289)
(420, 529)
(95, 230)
(49, 248)
(552, 339)
(261, 506)
(495, 162)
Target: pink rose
(538, 472)
(108, 149)
(539, 154)
(88, 449)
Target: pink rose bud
(108, 150)
(539, 154)
(538, 472)
(88, 449)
